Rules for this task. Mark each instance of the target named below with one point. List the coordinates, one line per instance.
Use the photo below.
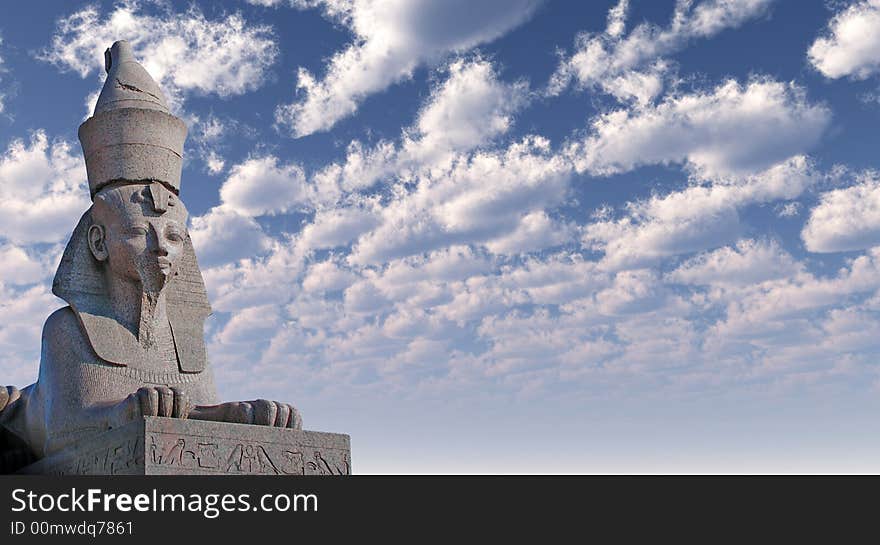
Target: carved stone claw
(260, 412)
(161, 401)
(263, 412)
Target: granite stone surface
(170, 446)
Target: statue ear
(97, 242)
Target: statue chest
(167, 348)
(158, 351)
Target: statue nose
(157, 242)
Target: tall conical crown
(132, 135)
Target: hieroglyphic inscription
(121, 458)
(157, 446)
(169, 451)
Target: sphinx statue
(131, 342)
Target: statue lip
(164, 263)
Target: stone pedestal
(170, 446)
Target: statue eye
(138, 231)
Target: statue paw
(263, 412)
(161, 401)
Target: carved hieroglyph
(131, 342)
(160, 446)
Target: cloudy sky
(498, 235)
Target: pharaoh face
(139, 230)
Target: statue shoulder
(63, 332)
(60, 321)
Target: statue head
(133, 149)
(135, 231)
(138, 232)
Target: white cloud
(392, 39)
(626, 66)
(442, 191)
(459, 318)
(788, 210)
(214, 162)
(260, 186)
(223, 235)
(317, 313)
(639, 86)
(184, 52)
(617, 19)
(250, 325)
(628, 323)
(846, 219)
(337, 227)
(851, 330)
(423, 281)
(556, 279)
(259, 280)
(535, 231)
(22, 313)
(463, 270)
(477, 297)
(851, 45)
(696, 218)
(731, 129)
(43, 190)
(749, 262)
(634, 291)
(427, 262)
(364, 298)
(469, 109)
(450, 264)
(20, 267)
(781, 313)
(767, 330)
(478, 199)
(498, 196)
(361, 169)
(2, 69)
(327, 276)
(206, 136)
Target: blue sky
(498, 235)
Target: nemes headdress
(131, 138)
